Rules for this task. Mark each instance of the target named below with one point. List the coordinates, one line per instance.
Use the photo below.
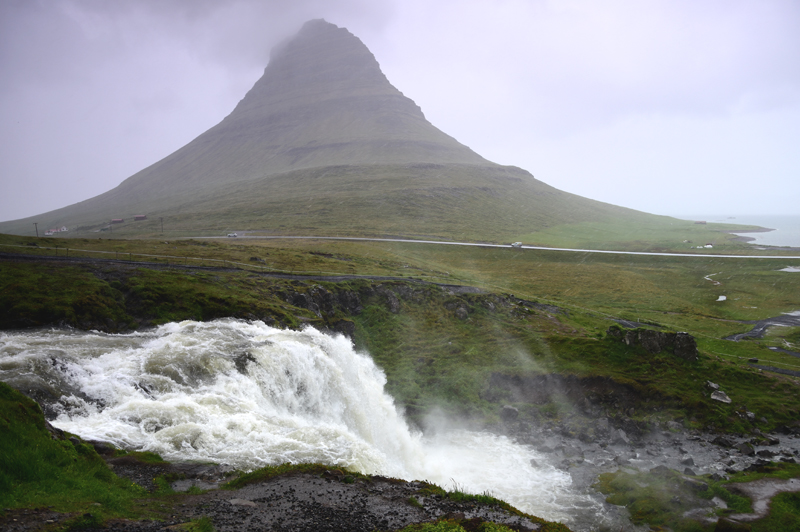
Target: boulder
(509, 413)
(618, 436)
(723, 441)
(746, 449)
(720, 396)
(685, 346)
(694, 484)
(653, 341)
(660, 470)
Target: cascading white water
(248, 395)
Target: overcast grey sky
(666, 106)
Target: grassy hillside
(417, 201)
(440, 346)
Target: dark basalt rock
(681, 344)
(509, 413)
(319, 300)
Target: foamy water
(249, 395)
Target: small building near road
(138, 217)
(117, 220)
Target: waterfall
(248, 395)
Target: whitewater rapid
(247, 395)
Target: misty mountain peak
(323, 100)
(322, 61)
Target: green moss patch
(39, 469)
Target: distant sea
(786, 233)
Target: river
(247, 395)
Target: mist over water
(248, 395)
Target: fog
(672, 107)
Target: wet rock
(102, 448)
(302, 300)
(712, 385)
(618, 437)
(723, 441)
(694, 484)
(621, 460)
(55, 433)
(509, 413)
(241, 361)
(687, 461)
(572, 452)
(765, 453)
(602, 427)
(758, 465)
(674, 426)
(746, 449)
(345, 327)
(720, 396)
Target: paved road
(243, 235)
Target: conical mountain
(322, 101)
(324, 144)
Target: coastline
(780, 231)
